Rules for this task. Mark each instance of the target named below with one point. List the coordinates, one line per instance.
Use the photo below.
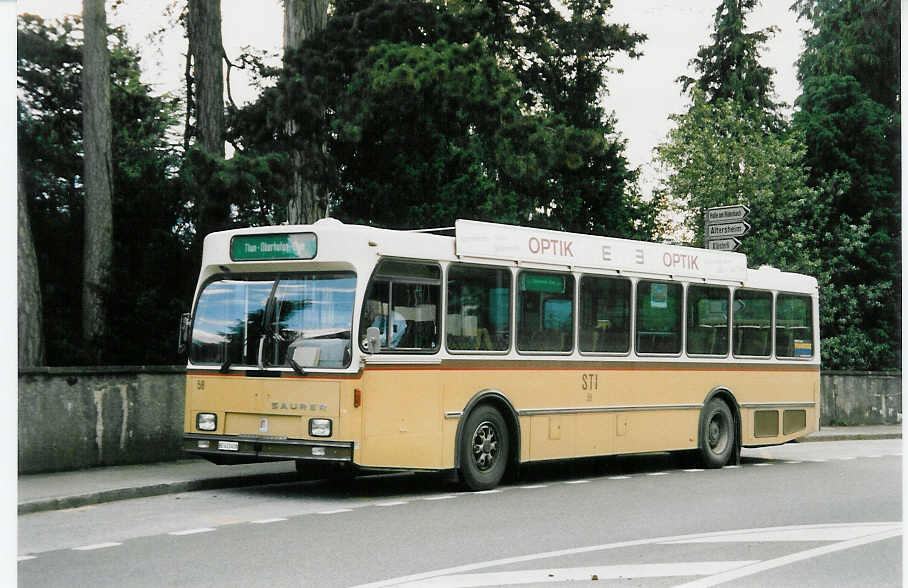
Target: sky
(642, 98)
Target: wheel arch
(727, 396)
(498, 400)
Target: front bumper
(249, 448)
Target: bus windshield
(254, 321)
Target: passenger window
(545, 312)
(479, 308)
(794, 326)
(707, 320)
(752, 323)
(659, 317)
(402, 302)
(605, 315)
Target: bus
(360, 348)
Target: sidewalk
(55, 491)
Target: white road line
(392, 503)
(619, 477)
(794, 461)
(694, 470)
(335, 511)
(534, 486)
(584, 574)
(762, 465)
(495, 491)
(793, 534)
(192, 531)
(25, 557)
(885, 530)
(657, 474)
(266, 521)
(577, 482)
(731, 467)
(845, 458)
(789, 559)
(95, 546)
(441, 497)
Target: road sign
(729, 244)
(738, 229)
(726, 214)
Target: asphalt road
(811, 514)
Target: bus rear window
(794, 326)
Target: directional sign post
(723, 224)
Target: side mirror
(373, 340)
(183, 339)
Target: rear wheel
(717, 434)
(484, 447)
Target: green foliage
(849, 115)
(416, 113)
(149, 264)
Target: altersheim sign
(724, 224)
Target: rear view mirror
(372, 343)
(183, 339)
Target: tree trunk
(207, 50)
(31, 321)
(308, 197)
(96, 136)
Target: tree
(849, 114)
(31, 323)
(98, 244)
(150, 268)
(729, 68)
(207, 93)
(308, 196)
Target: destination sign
(727, 230)
(273, 247)
(726, 214)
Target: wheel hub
(485, 445)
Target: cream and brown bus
(353, 346)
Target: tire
(717, 434)
(484, 448)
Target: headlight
(320, 427)
(206, 421)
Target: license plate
(229, 445)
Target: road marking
(790, 559)
(25, 557)
(794, 461)
(392, 503)
(534, 486)
(584, 574)
(335, 511)
(619, 478)
(657, 474)
(95, 546)
(577, 482)
(266, 521)
(441, 497)
(880, 531)
(807, 533)
(844, 458)
(494, 491)
(762, 465)
(731, 467)
(192, 531)
(694, 470)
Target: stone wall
(73, 418)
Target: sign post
(723, 224)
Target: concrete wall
(860, 398)
(72, 418)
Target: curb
(63, 502)
(846, 437)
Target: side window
(403, 302)
(707, 320)
(794, 326)
(659, 317)
(479, 308)
(605, 315)
(545, 312)
(752, 323)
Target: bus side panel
(402, 419)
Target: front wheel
(484, 446)
(717, 434)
